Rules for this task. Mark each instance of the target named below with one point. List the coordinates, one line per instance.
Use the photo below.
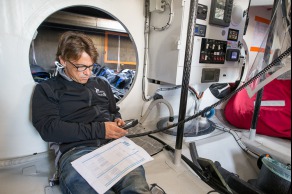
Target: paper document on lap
(105, 166)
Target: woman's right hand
(113, 131)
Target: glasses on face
(81, 68)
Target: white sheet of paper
(105, 166)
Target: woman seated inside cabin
(79, 112)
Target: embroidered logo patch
(100, 92)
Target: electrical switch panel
(213, 51)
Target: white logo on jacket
(100, 92)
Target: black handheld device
(130, 123)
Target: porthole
(117, 62)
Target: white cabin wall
(20, 20)
(261, 11)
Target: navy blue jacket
(73, 114)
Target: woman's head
(73, 44)
(77, 53)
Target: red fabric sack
(273, 121)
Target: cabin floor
(30, 175)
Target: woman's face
(80, 76)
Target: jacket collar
(63, 74)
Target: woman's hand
(113, 130)
(120, 122)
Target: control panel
(232, 54)
(210, 75)
(233, 34)
(202, 12)
(200, 30)
(213, 51)
(220, 13)
(216, 53)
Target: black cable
(154, 185)
(212, 192)
(170, 18)
(207, 109)
(247, 18)
(146, 50)
(237, 139)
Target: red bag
(273, 121)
